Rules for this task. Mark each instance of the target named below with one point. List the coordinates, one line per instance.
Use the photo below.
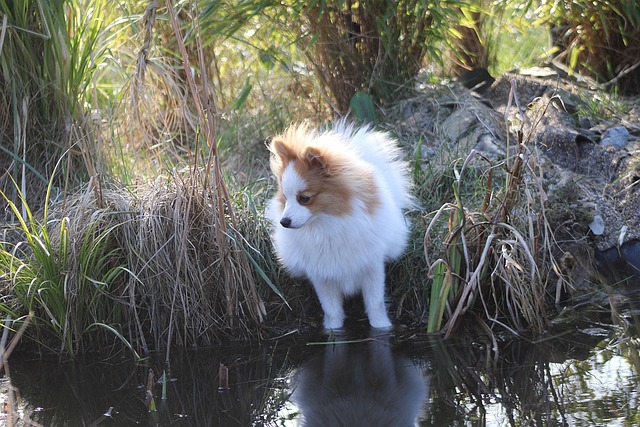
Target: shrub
(599, 38)
(377, 46)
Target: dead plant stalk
(221, 195)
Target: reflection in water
(602, 390)
(359, 384)
(585, 375)
(588, 377)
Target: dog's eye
(302, 199)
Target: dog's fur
(338, 213)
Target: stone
(617, 136)
(458, 124)
(597, 225)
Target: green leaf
(241, 97)
(362, 108)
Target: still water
(583, 373)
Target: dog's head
(318, 175)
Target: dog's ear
(282, 150)
(317, 161)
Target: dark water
(583, 373)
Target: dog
(338, 213)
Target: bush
(599, 38)
(376, 46)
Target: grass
(63, 273)
(604, 107)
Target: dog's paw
(331, 325)
(381, 323)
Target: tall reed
(50, 52)
(189, 263)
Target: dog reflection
(361, 384)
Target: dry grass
(208, 263)
(498, 254)
(194, 288)
(488, 246)
(182, 287)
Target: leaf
(439, 295)
(573, 61)
(241, 97)
(362, 108)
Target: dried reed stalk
(234, 275)
(149, 19)
(491, 255)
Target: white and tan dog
(338, 213)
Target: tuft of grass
(145, 269)
(603, 107)
(66, 271)
(491, 257)
(185, 294)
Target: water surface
(580, 374)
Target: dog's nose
(285, 222)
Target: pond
(583, 373)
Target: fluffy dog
(338, 213)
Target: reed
(189, 264)
(51, 52)
(495, 258)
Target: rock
(620, 263)
(597, 225)
(617, 136)
(458, 124)
(527, 89)
(478, 80)
(564, 100)
(631, 254)
(539, 72)
(488, 146)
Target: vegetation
(149, 231)
(50, 55)
(375, 46)
(489, 254)
(600, 38)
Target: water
(583, 373)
